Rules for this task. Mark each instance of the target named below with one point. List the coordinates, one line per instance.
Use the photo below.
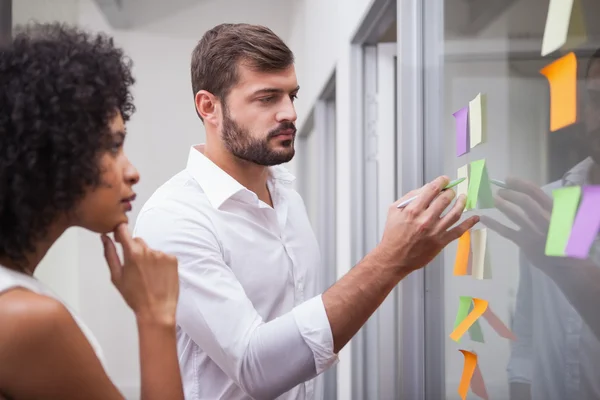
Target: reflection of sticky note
(475, 332)
(478, 310)
(586, 225)
(467, 374)
(465, 306)
(564, 209)
(462, 136)
(478, 384)
(562, 78)
(481, 262)
(565, 26)
(479, 190)
(462, 254)
(498, 325)
(478, 119)
(577, 27)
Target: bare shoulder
(25, 316)
(41, 342)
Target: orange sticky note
(462, 254)
(467, 374)
(479, 307)
(562, 78)
(478, 385)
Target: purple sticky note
(586, 225)
(462, 138)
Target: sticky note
(463, 187)
(462, 136)
(562, 78)
(478, 120)
(475, 331)
(462, 254)
(465, 306)
(577, 27)
(498, 325)
(479, 308)
(564, 209)
(479, 190)
(467, 373)
(478, 384)
(565, 26)
(470, 266)
(586, 225)
(481, 262)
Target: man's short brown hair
(218, 54)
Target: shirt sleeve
(265, 359)
(520, 363)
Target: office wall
(320, 38)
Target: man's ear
(207, 106)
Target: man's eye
(266, 99)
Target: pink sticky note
(478, 384)
(498, 325)
(462, 138)
(586, 225)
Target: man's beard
(241, 144)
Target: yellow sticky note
(467, 374)
(463, 187)
(481, 261)
(562, 77)
(462, 254)
(565, 26)
(478, 119)
(478, 309)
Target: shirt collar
(218, 185)
(579, 174)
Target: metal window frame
(433, 76)
(410, 87)
(410, 343)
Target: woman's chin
(107, 226)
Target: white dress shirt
(557, 353)
(250, 321)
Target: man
(556, 321)
(251, 320)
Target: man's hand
(414, 235)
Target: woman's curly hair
(60, 87)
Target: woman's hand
(147, 279)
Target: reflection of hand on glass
(530, 209)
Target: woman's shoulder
(28, 316)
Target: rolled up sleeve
(313, 324)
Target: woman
(64, 99)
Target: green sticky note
(465, 306)
(566, 202)
(479, 187)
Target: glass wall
(536, 137)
